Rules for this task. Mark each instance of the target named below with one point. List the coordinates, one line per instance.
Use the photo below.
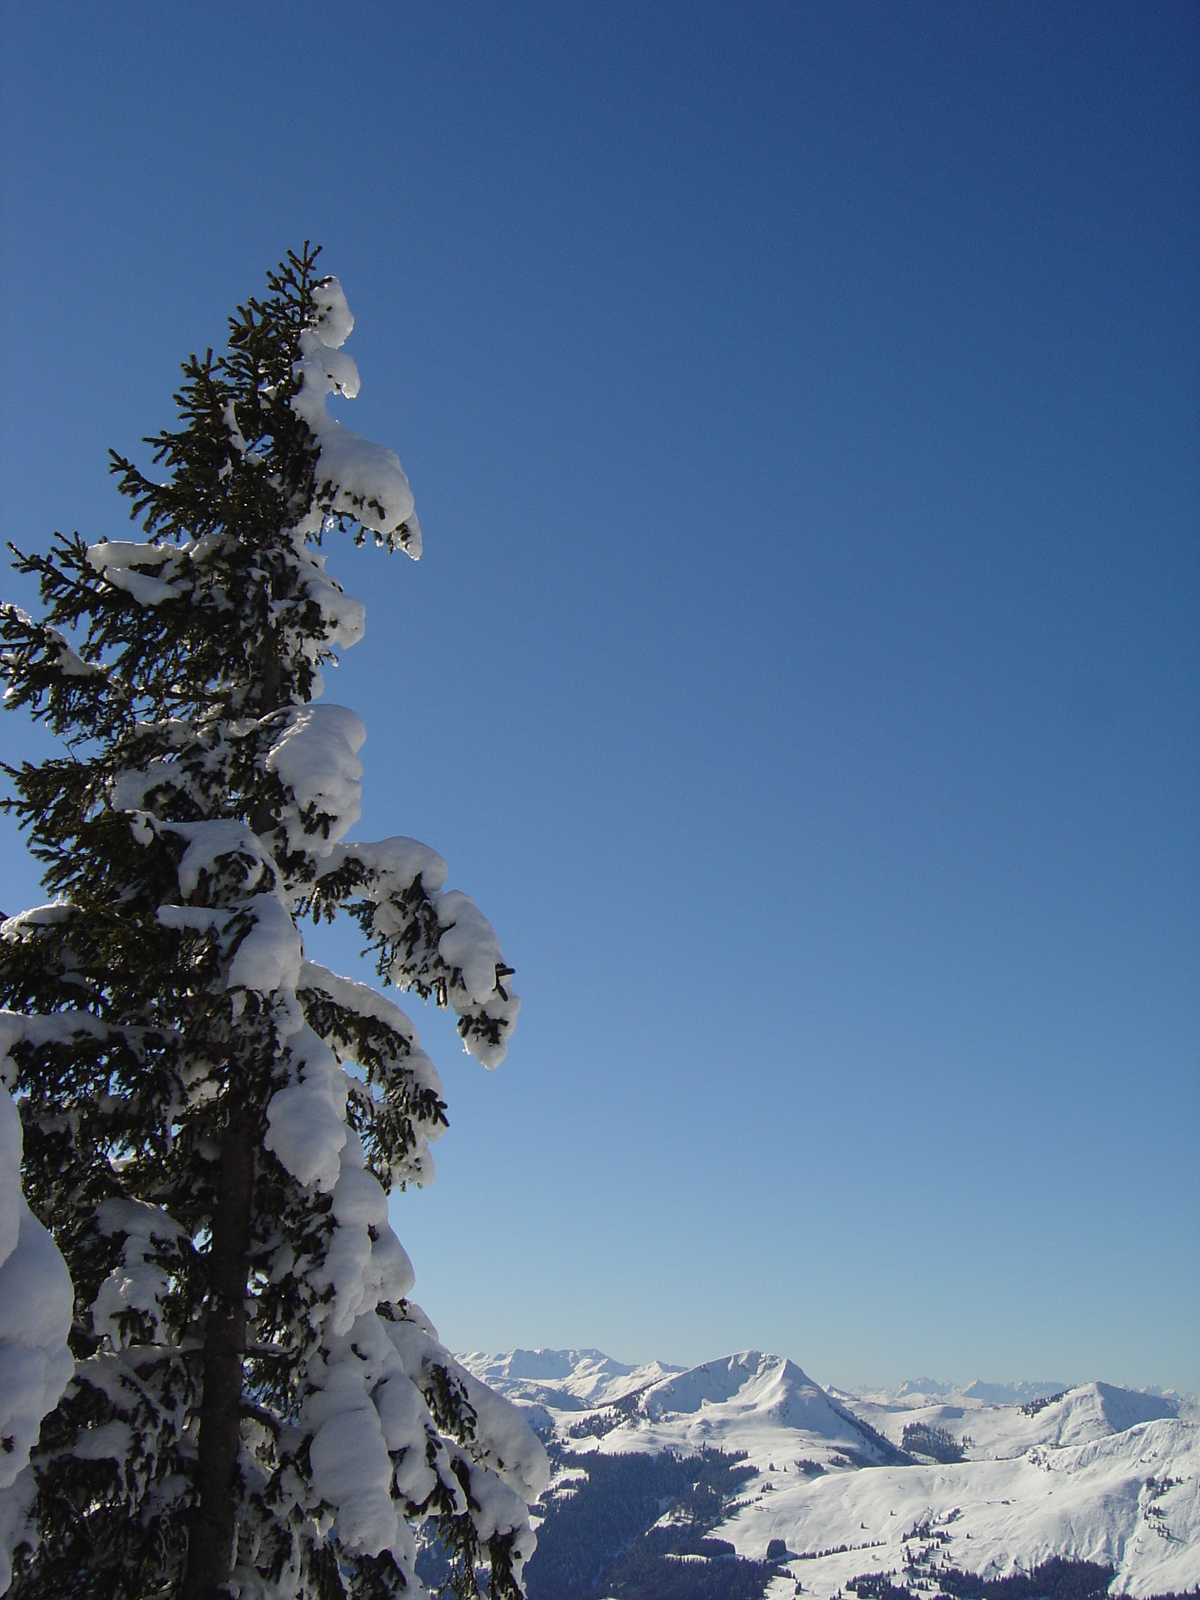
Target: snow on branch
(36, 1304)
(316, 758)
(119, 561)
(59, 1027)
(357, 1015)
(355, 478)
(306, 1119)
(434, 941)
(500, 1439)
(129, 1303)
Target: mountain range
(986, 1479)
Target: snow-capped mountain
(918, 1390)
(564, 1380)
(854, 1483)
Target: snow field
(1087, 1502)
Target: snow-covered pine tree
(211, 1121)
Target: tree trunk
(211, 1538)
(210, 1545)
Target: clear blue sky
(801, 403)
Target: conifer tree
(211, 1121)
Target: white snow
(108, 1441)
(361, 1271)
(351, 1467)
(357, 997)
(118, 561)
(372, 1431)
(59, 1027)
(235, 433)
(269, 951)
(316, 758)
(468, 947)
(752, 1388)
(36, 1304)
(355, 478)
(138, 1284)
(469, 943)
(396, 864)
(1084, 1412)
(335, 321)
(416, 1165)
(269, 956)
(512, 1451)
(307, 1119)
(46, 916)
(362, 1411)
(1086, 1502)
(194, 919)
(215, 845)
(10, 1176)
(344, 618)
(69, 662)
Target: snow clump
(36, 1303)
(355, 478)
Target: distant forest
(937, 1444)
(1056, 1579)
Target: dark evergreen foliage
(938, 1444)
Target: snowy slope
(1098, 1473)
(1095, 1502)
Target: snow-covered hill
(1095, 1473)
